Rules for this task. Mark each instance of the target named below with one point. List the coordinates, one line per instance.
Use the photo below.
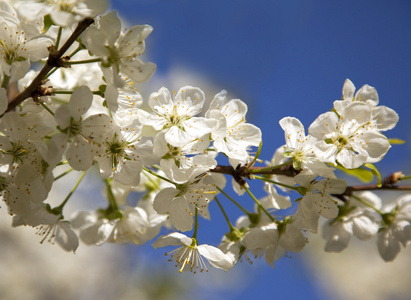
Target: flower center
(13, 44)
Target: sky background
(284, 58)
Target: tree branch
(52, 61)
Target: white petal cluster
(119, 50)
(159, 157)
(350, 135)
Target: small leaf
(375, 172)
(396, 141)
(360, 173)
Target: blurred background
(283, 58)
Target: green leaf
(375, 171)
(361, 173)
(396, 141)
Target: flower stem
(58, 37)
(235, 202)
(63, 162)
(367, 204)
(111, 199)
(152, 181)
(80, 47)
(159, 176)
(195, 225)
(275, 182)
(60, 207)
(63, 174)
(47, 108)
(224, 213)
(260, 205)
(51, 73)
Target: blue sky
(287, 58)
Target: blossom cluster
(167, 148)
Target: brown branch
(373, 187)
(388, 183)
(53, 61)
(241, 172)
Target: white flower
(189, 255)
(83, 138)
(233, 135)
(271, 239)
(125, 154)
(299, 148)
(62, 12)
(176, 118)
(61, 233)
(119, 50)
(181, 201)
(316, 199)
(348, 138)
(123, 103)
(20, 43)
(354, 219)
(18, 147)
(383, 118)
(121, 226)
(397, 228)
(274, 200)
(181, 163)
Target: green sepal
(375, 171)
(254, 219)
(260, 146)
(296, 164)
(47, 22)
(288, 154)
(301, 190)
(102, 88)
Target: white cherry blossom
(119, 50)
(181, 163)
(397, 228)
(383, 117)
(354, 219)
(182, 200)
(348, 138)
(176, 118)
(316, 199)
(189, 255)
(299, 148)
(83, 138)
(233, 135)
(62, 12)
